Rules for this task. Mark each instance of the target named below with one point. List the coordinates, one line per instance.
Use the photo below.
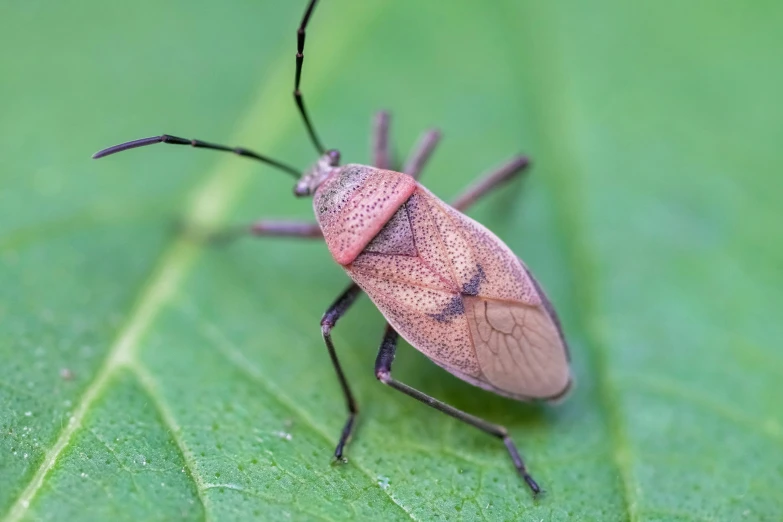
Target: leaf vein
(268, 498)
(768, 429)
(247, 368)
(149, 385)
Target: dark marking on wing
(472, 286)
(456, 306)
(396, 236)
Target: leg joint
(326, 326)
(328, 320)
(383, 375)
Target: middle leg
(421, 153)
(490, 181)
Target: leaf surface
(146, 376)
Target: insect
(442, 281)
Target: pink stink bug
(443, 282)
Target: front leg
(303, 229)
(329, 320)
(383, 366)
(268, 228)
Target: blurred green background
(145, 377)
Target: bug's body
(449, 286)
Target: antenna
(174, 140)
(300, 42)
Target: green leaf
(145, 376)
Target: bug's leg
(490, 181)
(328, 321)
(300, 42)
(421, 153)
(380, 141)
(268, 228)
(383, 366)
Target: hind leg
(383, 367)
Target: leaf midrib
(173, 264)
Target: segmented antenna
(300, 42)
(174, 140)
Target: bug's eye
(334, 157)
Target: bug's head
(317, 174)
